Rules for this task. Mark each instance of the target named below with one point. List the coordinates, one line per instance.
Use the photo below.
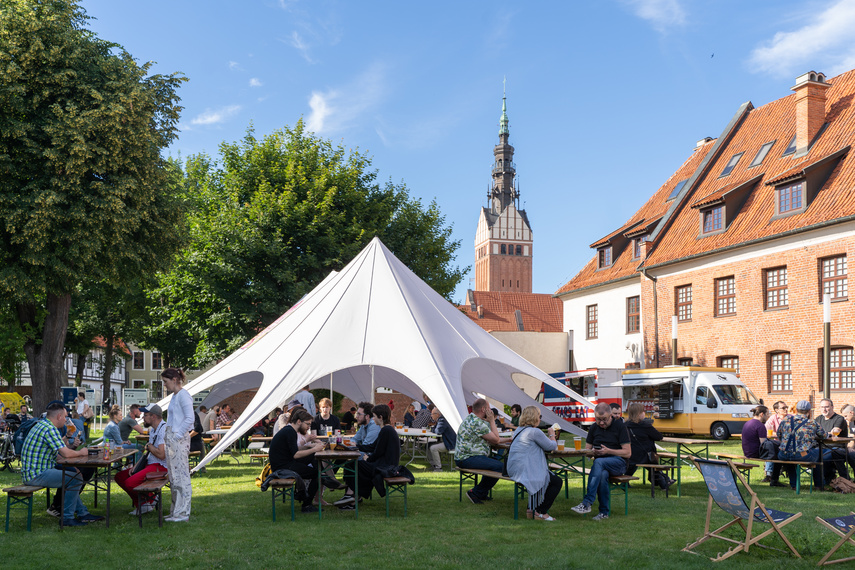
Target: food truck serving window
(734, 394)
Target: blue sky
(606, 99)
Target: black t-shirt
(836, 421)
(612, 437)
(283, 447)
(331, 422)
(197, 427)
(347, 419)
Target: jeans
(812, 455)
(72, 506)
(598, 480)
(482, 489)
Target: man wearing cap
(156, 455)
(800, 436)
(42, 447)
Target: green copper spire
(503, 122)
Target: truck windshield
(733, 394)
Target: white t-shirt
(81, 405)
(181, 414)
(155, 438)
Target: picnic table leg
(107, 518)
(356, 486)
(320, 502)
(652, 486)
(679, 471)
(62, 499)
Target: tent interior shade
(374, 315)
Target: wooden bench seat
(656, 467)
(473, 474)
(23, 495)
(396, 485)
(801, 466)
(282, 488)
(154, 486)
(260, 457)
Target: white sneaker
(146, 508)
(135, 512)
(600, 517)
(176, 519)
(582, 508)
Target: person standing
(306, 400)
(179, 422)
(84, 411)
(155, 462)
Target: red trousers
(126, 481)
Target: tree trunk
(45, 354)
(81, 368)
(107, 370)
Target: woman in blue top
(111, 430)
(527, 464)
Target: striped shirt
(40, 448)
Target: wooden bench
(282, 488)
(564, 470)
(396, 485)
(473, 474)
(802, 467)
(194, 457)
(23, 495)
(155, 487)
(260, 457)
(621, 482)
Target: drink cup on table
(560, 445)
(770, 434)
(577, 443)
(835, 432)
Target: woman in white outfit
(179, 422)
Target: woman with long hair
(179, 423)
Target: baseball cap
(152, 409)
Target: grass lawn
(231, 527)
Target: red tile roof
(541, 312)
(756, 219)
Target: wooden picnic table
(685, 445)
(348, 460)
(103, 476)
(260, 438)
(573, 461)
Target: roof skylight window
(761, 154)
(791, 148)
(731, 164)
(676, 190)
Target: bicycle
(7, 450)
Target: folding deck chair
(845, 528)
(721, 480)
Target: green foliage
(11, 345)
(268, 221)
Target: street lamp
(826, 351)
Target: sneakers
(346, 500)
(135, 512)
(54, 512)
(348, 507)
(473, 497)
(72, 522)
(309, 509)
(171, 518)
(600, 517)
(767, 479)
(89, 517)
(146, 508)
(545, 517)
(582, 509)
(777, 484)
(437, 469)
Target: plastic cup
(329, 433)
(770, 434)
(424, 431)
(406, 430)
(560, 445)
(577, 443)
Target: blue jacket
(366, 438)
(449, 437)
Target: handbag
(140, 465)
(88, 414)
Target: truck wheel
(719, 431)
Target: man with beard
(366, 437)
(285, 454)
(156, 453)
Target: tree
(269, 220)
(11, 345)
(83, 187)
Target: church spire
(503, 122)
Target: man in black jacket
(285, 454)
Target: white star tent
(374, 323)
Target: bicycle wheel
(7, 453)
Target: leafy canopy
(268, 221)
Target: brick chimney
(810, 91)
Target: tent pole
(372, 385)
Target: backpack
(21, 434)
(265, 471)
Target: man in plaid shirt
(38, 464)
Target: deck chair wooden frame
(845, 537)
(744, 515)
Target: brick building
(740, 244)
(503, 239)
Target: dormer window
(637, 246)
(711, 220)
(604, 257)
(790, 198)
(731, 164)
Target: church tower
(503, 240)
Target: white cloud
(255, 82)
(301, 46)
(215, 116)
(233, 65)
(825, 41)
(340, 108)
(662, 14)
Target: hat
(803, 406)
(293, 404)
(152, 409)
